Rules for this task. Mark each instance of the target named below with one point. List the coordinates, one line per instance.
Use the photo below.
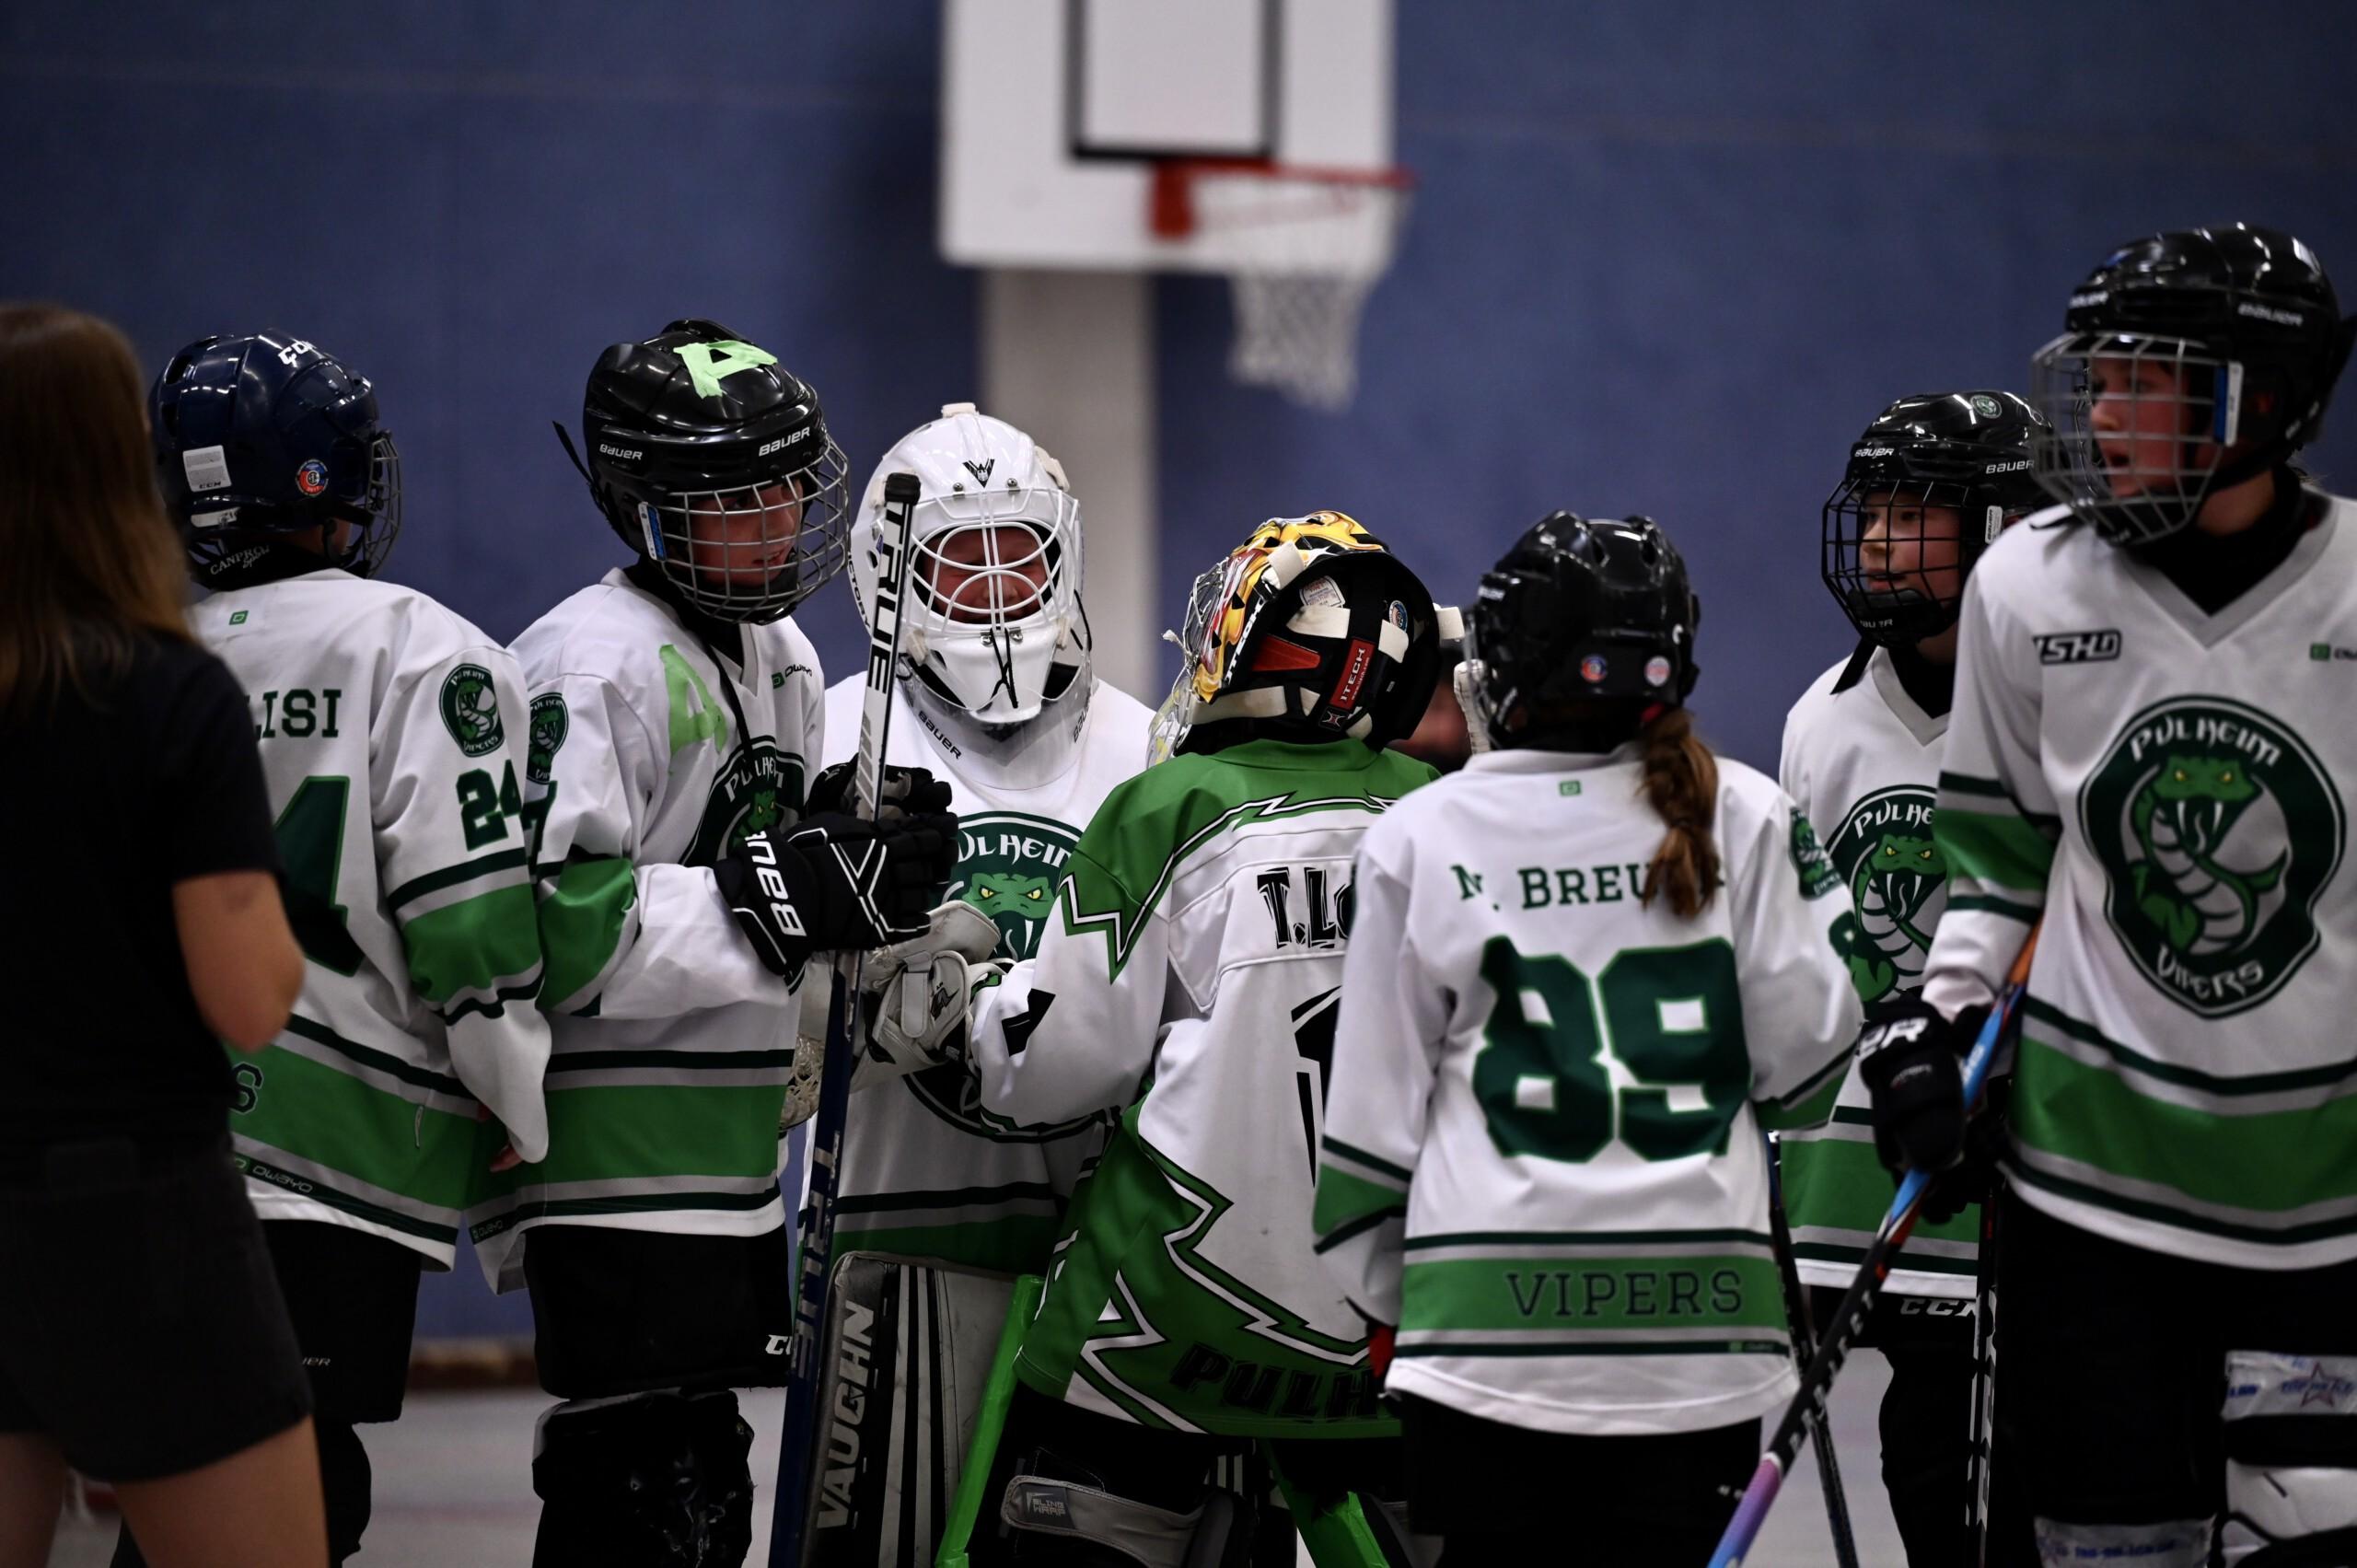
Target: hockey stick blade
(1807, 1406)
(801, 1438)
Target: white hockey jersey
(1190, 975)
(391, 735)
(1541, 1157)
(650, 755)
(1864, 765)
(2169, 790)
(927, 1172)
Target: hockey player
(2151, 754)
(1188, 980)
(676, 716)
(997, 697)
(392, 738)
(1929, 483)
(1582, 973)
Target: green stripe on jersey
(451, 875)
(1345, 1200)
(621, 1132)
(484, 946)
(2335, 1078)
(2267, 1163)
(1837, 1183)
(581, 922)
(1995, 848)
(330, 1120)
(1723, 1293)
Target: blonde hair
(92, 563)
(1681, 783)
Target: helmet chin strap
(1007, 756)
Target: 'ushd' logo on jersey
(2217, 829)
(758, 789)
(1008, 866)
(1897, 882)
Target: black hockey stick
(1829, 1466)
(1833, 1351)
(1984, 1378)
(804, 1437)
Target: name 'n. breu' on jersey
(1543, 1157)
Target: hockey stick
(1829, 1466)
(1984, 1379)
(803, 1438)
(1808, 1404)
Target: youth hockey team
(1277, 1140)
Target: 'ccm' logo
(2078, 647)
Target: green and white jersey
(672, 1042)
(2170, 790)
(1189, 973)
(927, 1172)
(1866, 763)
(1542, 1158)
(391, 735)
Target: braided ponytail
(1681, 783)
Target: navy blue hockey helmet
(1581, 612)
(264, 433)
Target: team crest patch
(1897, 882)
(311, 478)
(1810, 862)
(550, 722)
(757, 790)
(2217, 830)
(1008, 866)
(470, 710)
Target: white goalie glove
(914, 995)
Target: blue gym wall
(1665, 256)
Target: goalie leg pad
(2174, 1543)
(2291, 1439)
(1216, 1534)
(651, 1481)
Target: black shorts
(1511, 1494)
(141, 1329)
(352, 1298)
(625, 1311)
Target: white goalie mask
(994, 627)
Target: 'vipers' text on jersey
(1543, 1157)
(1864, 765)
(2169, 789)
(672, 1043)
(927, 1172)
(391, 734)
(1190, 972)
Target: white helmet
(996, 628)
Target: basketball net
(1305, 248)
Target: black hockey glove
(907, 792)
(835, 882)
(1985, 1140)
(1911, 1059)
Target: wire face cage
(1307, 246)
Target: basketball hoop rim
(1171, 207)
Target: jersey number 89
(1673, 1017)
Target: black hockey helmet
(1310, 630)
(258, 434)
(1579, 612)
(695, 422)
(2189, 361)
(1968, 453)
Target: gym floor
(454, 1485)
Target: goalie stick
(1808, 1407)
(804, 1435)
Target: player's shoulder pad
(610, 630)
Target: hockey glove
(1911, 1059)
(907, 792)
(1985, 1141)
(833, 882)
(917, 992)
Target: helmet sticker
(1985, 406)
(311, 478)
(1657, 672)
(711, 364)
(1322, 593)
(1592, 668)
(208, 468)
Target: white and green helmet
(994, 627)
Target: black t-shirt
(111, 799)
